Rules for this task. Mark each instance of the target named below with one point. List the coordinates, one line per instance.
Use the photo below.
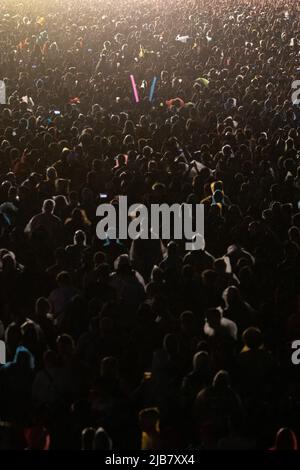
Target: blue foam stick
(152, 88)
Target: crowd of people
(140, 344)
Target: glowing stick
(2, 92)
(136, 96)
(152, 88)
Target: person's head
(172, 248)
(106, 326)
(102, 441)
(220, 265)
(42, 307)
(217, 185)
(102, 272)
(187, 272)
(29, 333)
(121, 160)
(65, 345)
(200, 361)
(218, 197)
(60, 255)
(24, 358)
(9, 263)
(158, 191)
(12, 193)
(149, 420)
(286, 439)
(87, 438)
(157, 274)
(48, 206)
(276, 208)
(294, 234)
(99, 258)
(73, 198)
(60, 203)
(77, 215)
(187, 322)
(63, 279)
(37, 438)
(109, 367)
(213, 317)
(123, 264)
(231, 296)
(208, 278)
(49, 359)
(51, 173)
(252, 338)
(170, 344)
(221, 380)
(12, 337)
(79, 238)
(291, 249)
(144, 314)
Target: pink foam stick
(135, 92)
